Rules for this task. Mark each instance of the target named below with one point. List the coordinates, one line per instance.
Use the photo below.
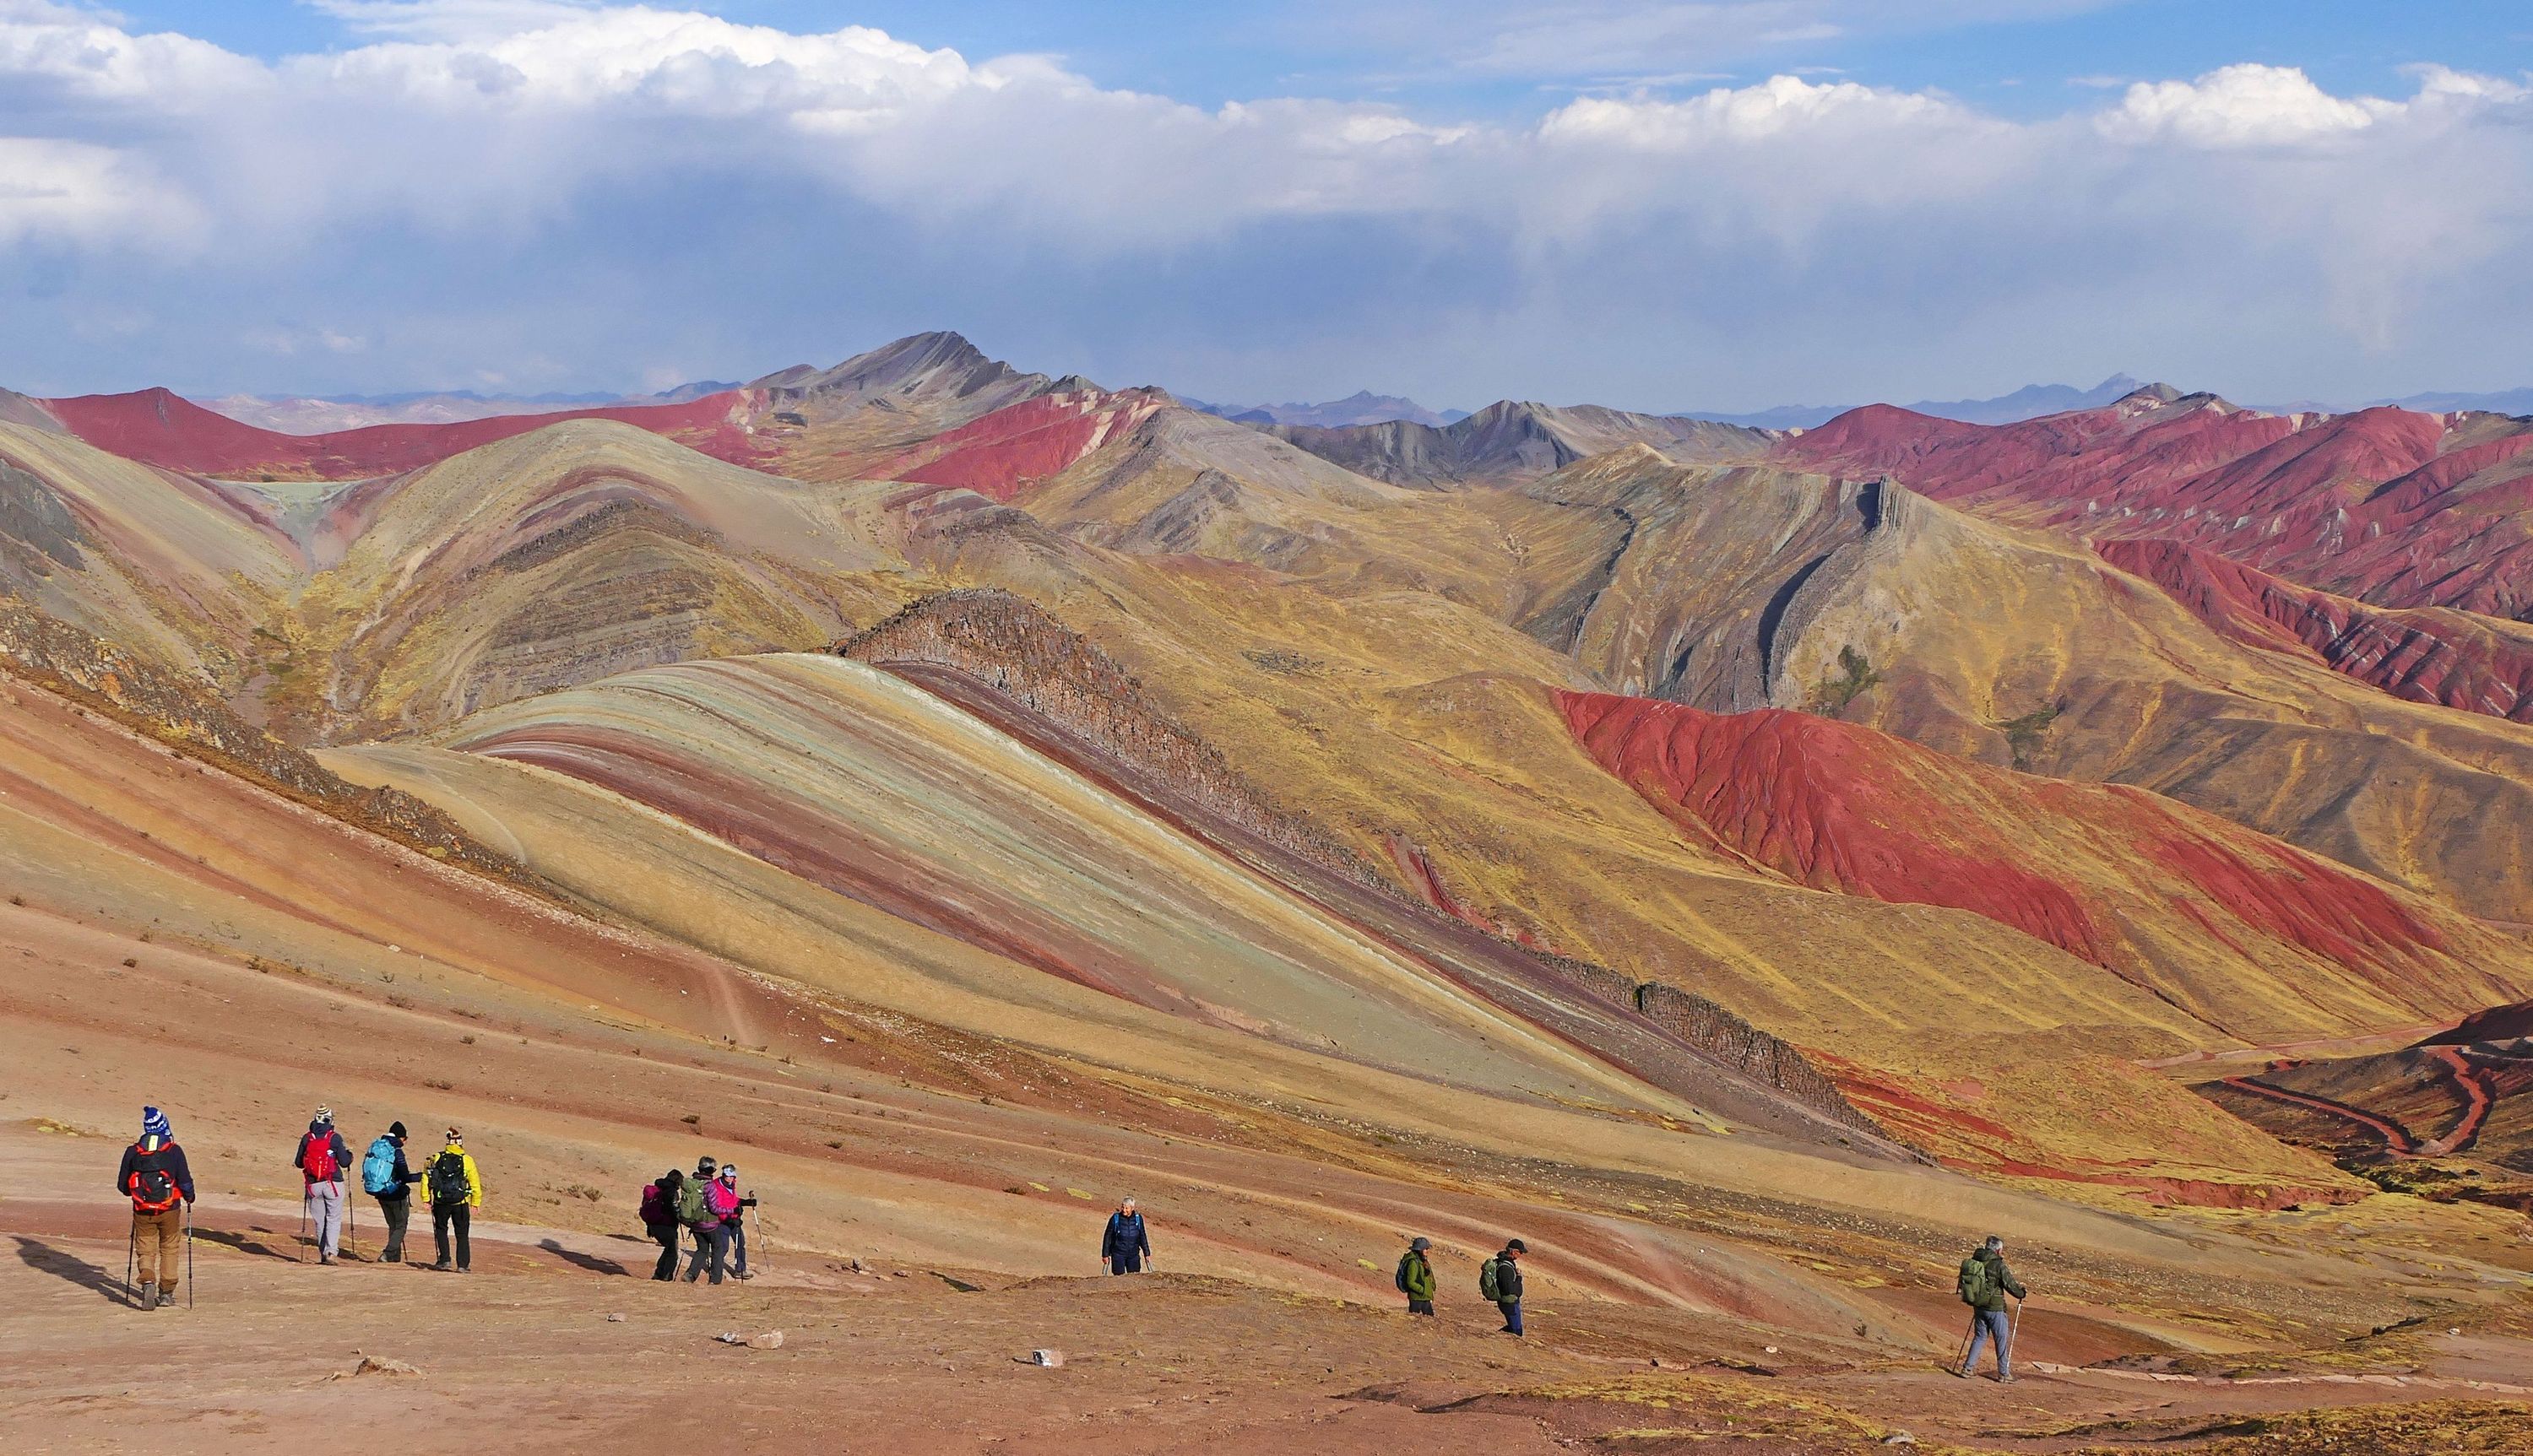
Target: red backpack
(152, 1189)
(318, 1162)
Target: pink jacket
(720, 1198)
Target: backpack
(152, 1191)
(694, 1210)
(655, 1206)
(448, 1178)
(378, 1168)
(1978, 1282)
(1488, 1281)
(318, 1162)
(1400, 1278)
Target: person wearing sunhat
(1416, 1276)
(455, 1188)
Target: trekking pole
(1962, 1362)
(189, 1255)
(131, 1255)
(757, 1217)
(302, 1229)
(2013, 1330)
(351, 1227)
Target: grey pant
(326, 1215)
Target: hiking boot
(166, 1299)
(2005, 1380)
(445, 1266)
(148, 1296)
(1958, 1372)
(325, 1259)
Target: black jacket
(1125, 1235)
(166, 1158)
(1507, 1279)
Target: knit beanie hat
(396, 1130)
(153, 1124)
(325, 1114)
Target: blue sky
(1723, 205)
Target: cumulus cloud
(494, 175)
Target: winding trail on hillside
(2394, 1133)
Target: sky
(1665, 204)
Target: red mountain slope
(1002, 453)
(2427, 655)
(159, 427)
(2387, 505)
(2196, 906)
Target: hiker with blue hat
(155, 1177)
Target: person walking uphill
(154, 1175)
(1416, 1277)
(321, 1160)
(455, 1189)
(705, 1205)
(1986, 1281)
(1126, 1244)
(737, 1221)
(1499, 1280)
(660, 1220)
(385, 1176)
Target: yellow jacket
(474, 1180)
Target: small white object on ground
(616, 1319)
(1047, 1358)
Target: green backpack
(1978, 1282)
(692, 1211)
(1489, 1282)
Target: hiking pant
(665, 1236)
(1420, 1307)
(1512, 1315)
(1987, 1325)
(737, 1228)
(713, 1244)
(1129, 1262)
(444, 1218)
(325, 1208)
(393, 1211)
(160, 1237)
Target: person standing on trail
(701, 1206)
(1126, 1244)
(455, 1189)
(155, 1177)
(321, 1160)
(1499, 1280)
(737, 1221)
(1986, 1281)
(660, 1220)
(385, 1176)
(1416, 1277)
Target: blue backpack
(377, 1167)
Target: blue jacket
(1125, 1235)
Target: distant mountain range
(323, 414)
(1363, 407)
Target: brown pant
(164, 1233)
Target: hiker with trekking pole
(320, 1159)
(1984, 1282)
(736, 1219)
(154, 1175)
(385, 1176)
(455, 1188)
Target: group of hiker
(709, 1205)
(706, 1203)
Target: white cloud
(524, 152)
(2245, 105)
(84, 193)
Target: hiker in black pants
(700, 1209)
(456, 1190)
(1125, 1244)
(736, 1221)
(660, 1220)
(385, 1176)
